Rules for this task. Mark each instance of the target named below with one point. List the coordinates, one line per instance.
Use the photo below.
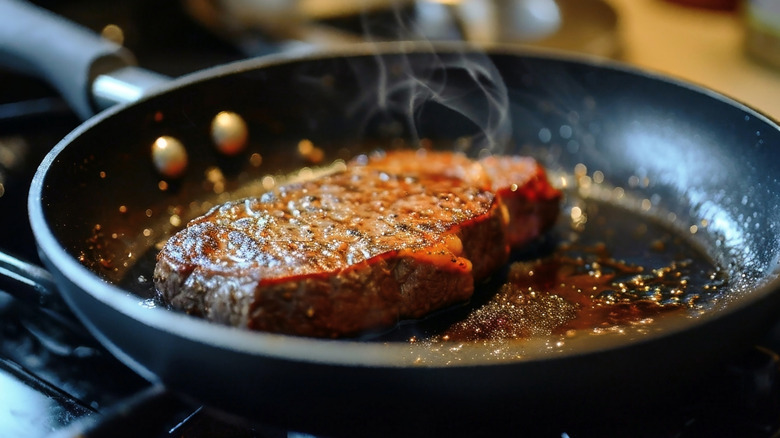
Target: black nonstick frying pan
(626, 145)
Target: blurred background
(732, 46)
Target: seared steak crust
(392, 237)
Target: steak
(394, 236)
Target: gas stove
(55, 379)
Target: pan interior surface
(655, 152)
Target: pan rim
(347, 352)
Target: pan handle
(90, 72)
(28, 283)
(35, 286)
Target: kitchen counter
(702, 46)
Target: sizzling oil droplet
(229, 132)
(169, 156)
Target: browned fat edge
(532, 207)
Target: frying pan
(98, 208)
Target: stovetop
(55, 379)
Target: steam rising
(467, 84)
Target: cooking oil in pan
(618, 269)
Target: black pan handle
(28, 282)
(35, 286)
(77, 62)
